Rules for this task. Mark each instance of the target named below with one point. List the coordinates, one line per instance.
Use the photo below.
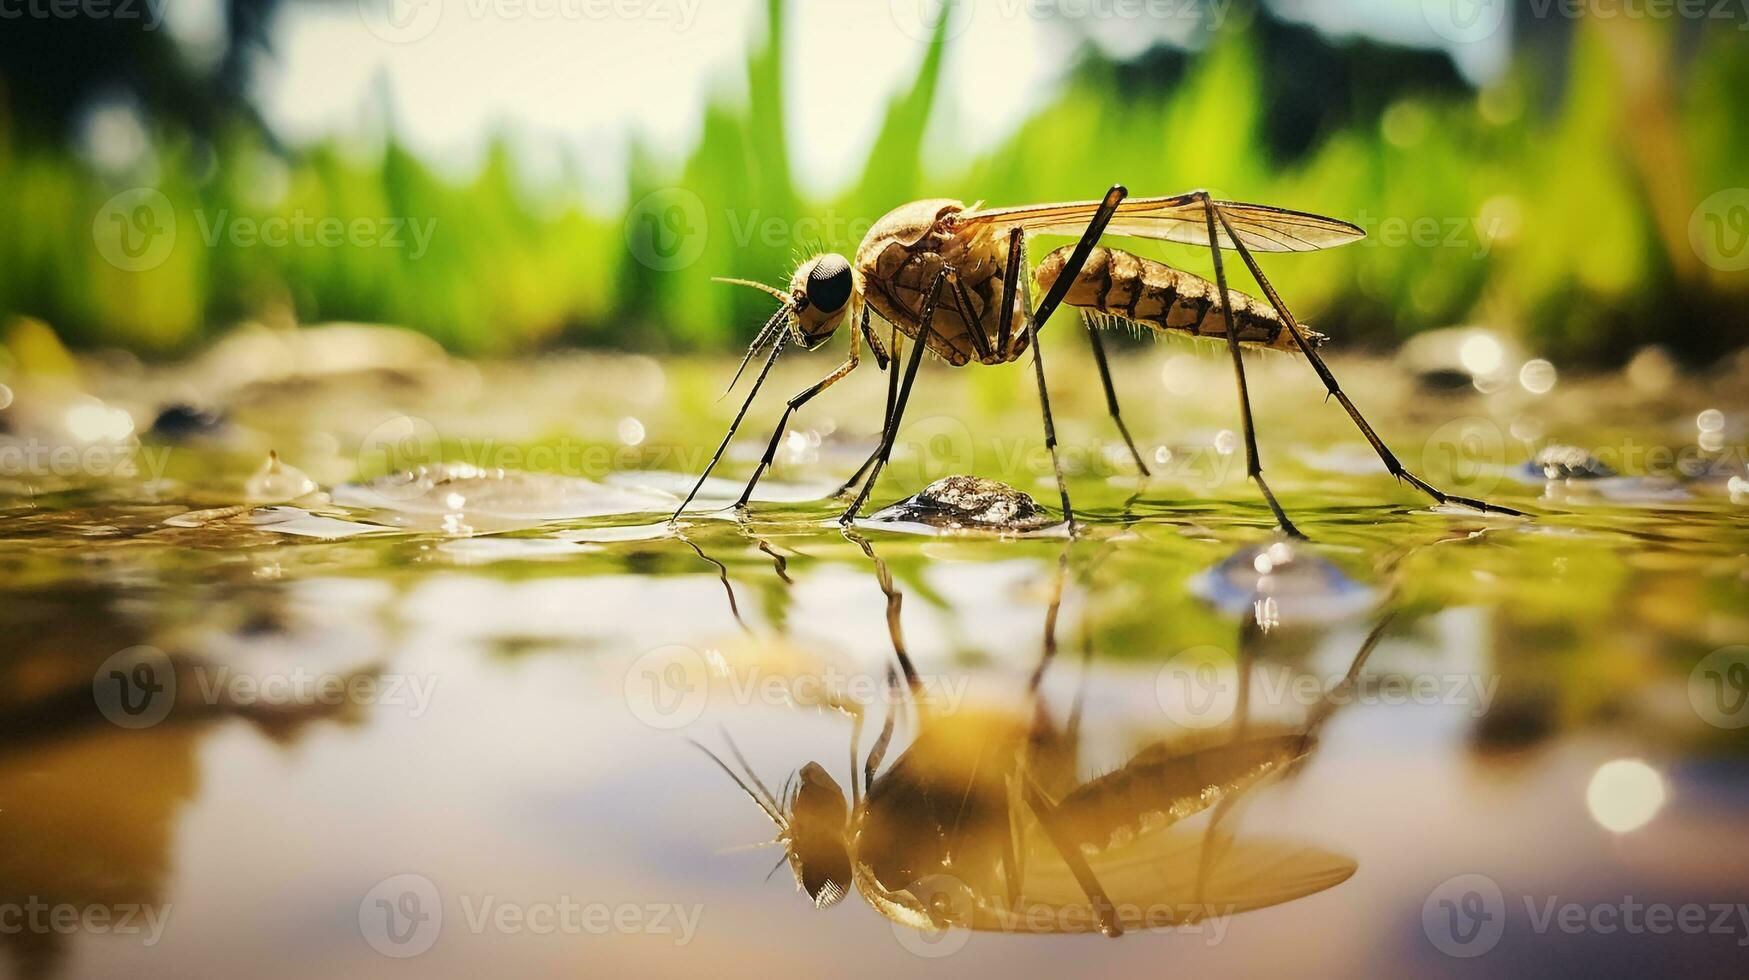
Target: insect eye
(829, 283)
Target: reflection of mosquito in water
(983, 822)
(955, 279)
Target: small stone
(181, 421)
(957, 502)
(1557, 462)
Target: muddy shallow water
(428, 713)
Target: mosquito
(985, 822)
(952, 279)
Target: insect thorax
(898, 263)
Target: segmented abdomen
(1164, 298)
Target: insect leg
(877, 752)
(776, 349)
(1253, 467)
(1038, 366)
(1396, 468)
(898, 413)
(895, 603)
(1111, 392)
(801, 398)
(891, 366)
(1046, 811)
(1083, 248)
(723, 577)
(1048, 652)
(1011, 286)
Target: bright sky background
(584, 74)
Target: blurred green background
(1586, 195)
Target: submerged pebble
(1558, 462)
(1284, 583)
(962, 502)
(1572, 475)
(180, 421)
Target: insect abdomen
(1163, 784)
(1164, 298)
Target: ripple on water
(456, 496)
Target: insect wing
(1163, 880)
(1179, 218)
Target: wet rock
(960, 502)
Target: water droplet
(1537, 376)
(1624, 795)
(1181, 374)
(277, 481)
(1481, 353)
(97, 422)
(631, 431)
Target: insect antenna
(756, 845)
(780, 863)
(736, 749)
(766, 333)
(762, 287)
(770, 810)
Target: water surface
(438, 724)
